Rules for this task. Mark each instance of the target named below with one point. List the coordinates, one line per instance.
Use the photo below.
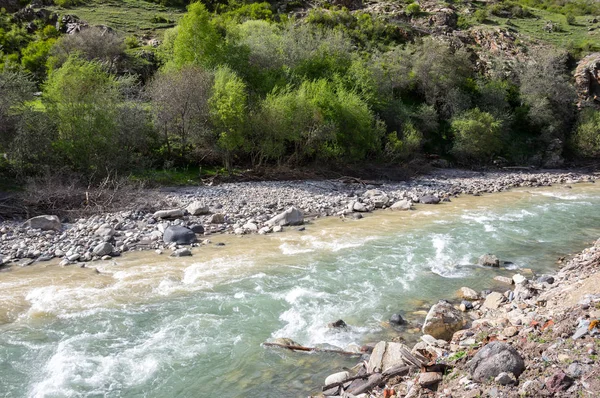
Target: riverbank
(243, 208)
(538, 338)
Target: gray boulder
(489, 260)
(402, 205)
(45, 223)
(197, 208)
(429, 200)
(197, 228)
(105, 231)
(377, 197)
(217, 218)
(493, 359)
(443, 320)
(180, 235)
(174, 213)
(386, 355)
(291, 216)
(103, 249)
(181, 253)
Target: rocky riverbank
(538, 338)
(189, 216)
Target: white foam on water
(290, 249)
(445, 263)
(214, 271)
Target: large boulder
(493, 359)
(105, 231)
(377, 197)
(291, 216)
(489, 260)
(45, 223)
(386, 355)
(429, 200)
(197, 208)
(587, 80)
(402, 205)
(173, 213)
(103, 249)
(443, 320)
(180, 235)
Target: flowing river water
(153, 326)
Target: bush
(570, 18)
(83, 99)
(413, 9)
(477, 136)
(586, 139)
(481, 15)
(16, 88)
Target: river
(151, 326)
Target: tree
(477, 135)
(586, 139)
(83, 100)
(16, 88)
(197, 41)
(228, 112)
(180, 107)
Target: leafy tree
(35, 56)
(477, 136)
(413, 9)
(228, 107)
(16, 88)
(481, 15)
(586, 139)
(197, 41)
(180, 108)
(83, 99)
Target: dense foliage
(239, 84)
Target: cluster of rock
(241, 208)
(538, 339)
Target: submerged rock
(443, 320)
(181, 253)
(489, 260)
(103, 249)
(493, 359)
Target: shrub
(16, 88)
(570, 18)
(586, 139)
(477, 136)
(413, 9)
(481, 15)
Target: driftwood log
(311, 349)
(374, 379)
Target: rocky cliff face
(587, 81)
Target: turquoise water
(149, 326)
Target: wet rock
(356, 216)
(377, 197)
(429, 379)
(493, 300)
(443, 320)
(197, 208)
(429, 200)
(339, 324)
(285, 341)
(180, 235)
(291, 216)
(45, 223)
(103, 249)
(360, 207)
(493, 359)
(503, 279)
(402, 205)
(489, 260)
(173, 213)
(468, 294)
(184, 252)
(396, 319)
(518, 279)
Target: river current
(152, 326)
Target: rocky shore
(189, 216)
(538, 338)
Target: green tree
(197, 41)
(35, 55)
(16, 88)
(477, 136)
(228, 107)
(586, 139)
(413, 9)
(83, 100)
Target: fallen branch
(311, 349)
(399, 370)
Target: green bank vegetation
(239, 84)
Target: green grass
(126, 16)
(575, 38)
